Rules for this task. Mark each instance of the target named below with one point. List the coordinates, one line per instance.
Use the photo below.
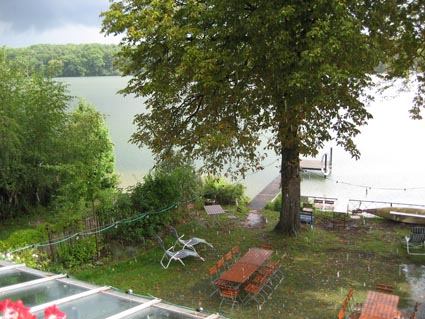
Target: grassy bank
(321, 265)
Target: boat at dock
(324, 165)
(409, 215)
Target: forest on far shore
(68, 60)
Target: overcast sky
(27, 22)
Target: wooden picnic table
(245, 266)
(256, 256)
(380, 305)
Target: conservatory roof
(39, 290)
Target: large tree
(88, 160)
(32, 113)
(222, 75)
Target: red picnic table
(380, 305)
(244, 267)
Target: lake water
(390, 168)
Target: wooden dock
(324, 165)
(266, 195)
(311, 164)
(273, 189)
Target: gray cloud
(42, 15)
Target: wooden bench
(384, 288)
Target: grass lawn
(321, 265)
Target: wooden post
(52, 249)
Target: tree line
(70, 60)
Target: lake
(390, 168)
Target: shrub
(276, 204)
(149, 205)
(78, 252)
(222, 192)
(22, 241)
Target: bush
(150, 205)
(22, 241)
(276, 204)
(79, 252)
(220, 191)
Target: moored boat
(408, 215)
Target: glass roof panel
(42, 293)
(158, 313)
(13, 277)
(81, 300)
(98, 306)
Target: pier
(314, 165)
(272, 189)
(324, 165)
(266, 195)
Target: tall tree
(46, 152)
(32, 113)
(88, 160)
(220, 74)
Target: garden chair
(274, 272)
(416, 241)
(228, 294)
(415, 311)
(255, 292)
(265, 282)
(345, 305)
(189, 243)
(171, 255)
(215, 279)
(408, 315)
(221, 265)
(228, 259)
(236, 251)
(213, 272)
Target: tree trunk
(289, 220)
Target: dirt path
(254, 219)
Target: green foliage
(22, 238)
(48, 156)
(276, 204)
(79, 252)
(68, 60)
(150, 205)
(172, 181)
(88, 158)
(222, 192)
(26, 237)
(32, 115)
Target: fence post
(52, 249)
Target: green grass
(321, 265)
